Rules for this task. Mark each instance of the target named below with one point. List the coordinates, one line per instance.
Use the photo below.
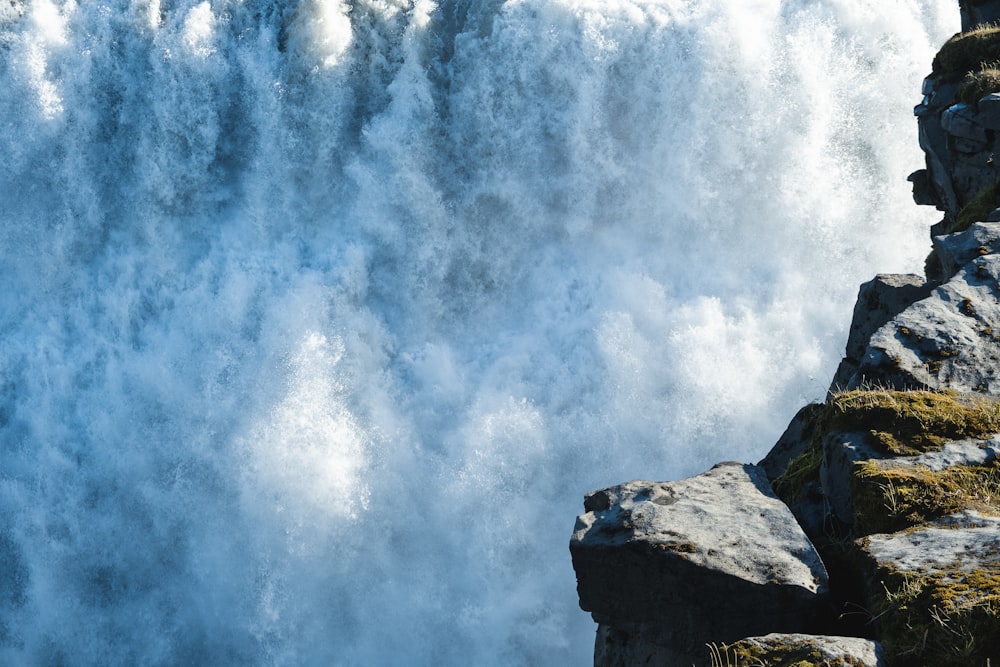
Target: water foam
(322, 316)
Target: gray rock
(840, 452)
(970, 173)
(714, 557)
(959, 120)
(793, 442)
(989, 112)
(933, 590)
(779, 649)
(631, 644)
(879, 300)
(809, 506)
(949, 340)
(934, 142)
(954, 453)
(956, 250)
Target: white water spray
(320, 317)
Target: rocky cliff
(870, 534)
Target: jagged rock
(938, 96)
(956, 250)
(714, 557)
(879, 300)
(840, 452)
(793, 442)
(799, 649)
(949, 340)
(923, 190)
(808, 504)
(934, 591)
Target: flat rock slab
(796, 649)
(714, 557)
(952, 549)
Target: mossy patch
(904, 423)
(799, 471)
(793, 654)
(890, 499)
(897, 423)
(949, 617)
(967, 51)
(978, 208)
(978, 84)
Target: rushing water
(319, 318)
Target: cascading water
(320, 317)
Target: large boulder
(676, 565)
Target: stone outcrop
(935, 590)
(886, 540)
(948, 340)
(879, 300)
(681, 564)
(797, 649)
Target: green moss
(978, 208)
(967, 51)
(888, 499)
(902, 423)
(947, 618)
(897, 423)
(799, 471)
(978, 84)
(745, 653)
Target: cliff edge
(870, 534)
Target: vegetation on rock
(897, 423)
(903, 423)
(946, 617)
(893, 498)
(979, 83)
(978, 208)
(746, 653)
(968, 51)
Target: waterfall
(320, 316)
